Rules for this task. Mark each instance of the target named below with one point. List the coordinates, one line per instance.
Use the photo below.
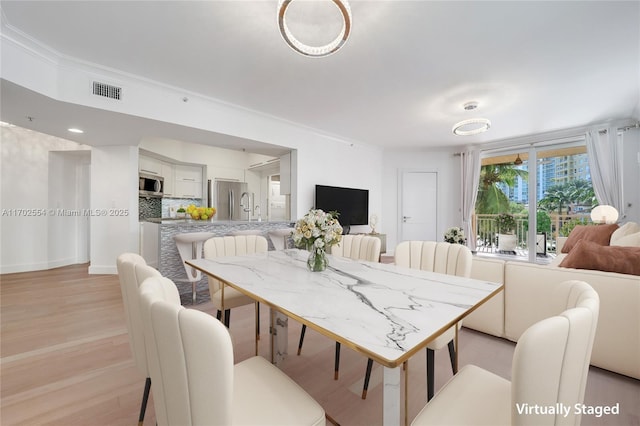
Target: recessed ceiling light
(74, 130)
(472, 126)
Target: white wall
(449, 192)
(30, 186)
(338, 164)
(114, 194)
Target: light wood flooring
(65, 359)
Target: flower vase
(317, 261)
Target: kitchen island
(159, 249)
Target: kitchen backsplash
(170, 205)
(162, 207)
(149, 207)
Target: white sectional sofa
(529, 297)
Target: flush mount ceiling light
(472, 126)
(469, 106)
(315, 51)
(74, 130)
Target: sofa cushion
(631, 240)
(599, 234)
(589, 255)
(624, 230)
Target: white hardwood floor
(65, 359)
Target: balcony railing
(487, 234)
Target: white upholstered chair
(550, 368)
(126, 265)
(200, 384)
(238, 245)
(444, 258)
(356, 247)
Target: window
(563, 196)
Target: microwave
(151, 186)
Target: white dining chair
(202, 386)
(356, 247)
(444, 258)
(126, 265)
(237, 245)
(550, 368)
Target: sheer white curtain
(605, 163)
(470, 166)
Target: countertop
(176, 221)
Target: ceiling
(401, 80)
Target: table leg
(279, 329)
(391, 397)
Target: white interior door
(418, 206)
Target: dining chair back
(152, 290)
(551, 360)
(549, 369)
(356, 247)
(443, 258)
(237, 245)
(200, 382)
(126, 265)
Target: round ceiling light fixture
(472, 126)
(469, 106)
(315, 51)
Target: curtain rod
(579, 134)
(633, 126)
(623, 129)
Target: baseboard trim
(102, 270)
(40, 266)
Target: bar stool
(190, 247)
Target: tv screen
(352, 204)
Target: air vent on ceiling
(107, 90)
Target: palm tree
(491, 198)
(579, 191)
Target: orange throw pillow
(589, 255)
(599, 234)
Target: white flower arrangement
(455, 235)
(317, 230)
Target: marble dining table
(386, 312)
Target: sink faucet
(246, 207)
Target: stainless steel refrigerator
(229, 197)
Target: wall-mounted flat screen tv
(352, 204)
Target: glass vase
(317, 260)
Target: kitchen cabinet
(227, 173)
(150, 165)
(187, 189)
(150, 243)
(188, 181)
(167, 172)
(188, 173)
